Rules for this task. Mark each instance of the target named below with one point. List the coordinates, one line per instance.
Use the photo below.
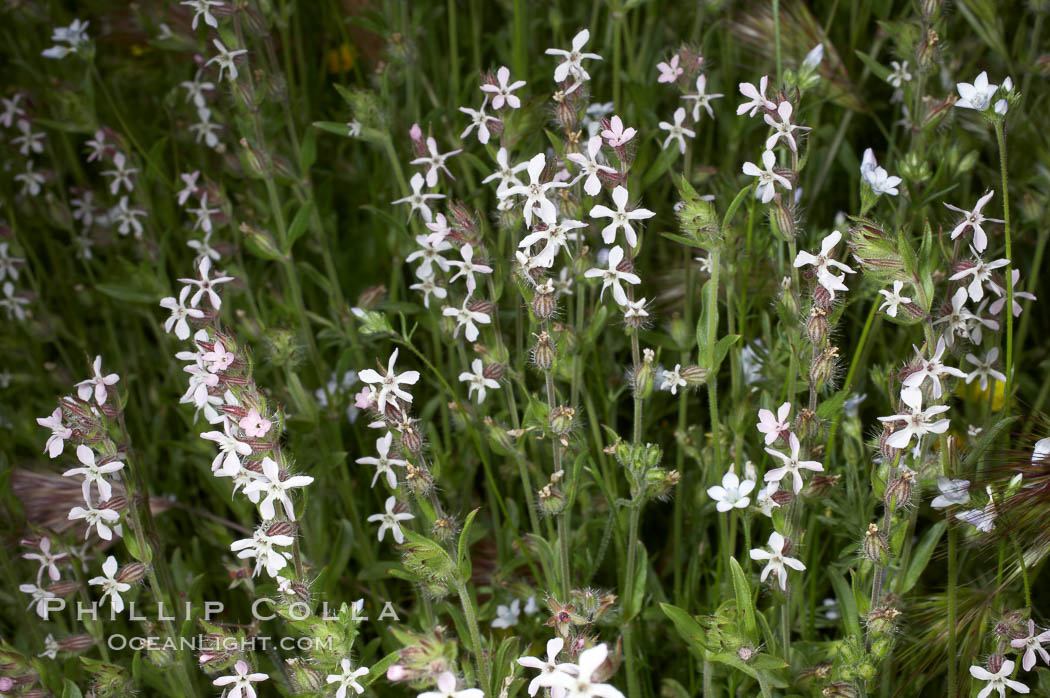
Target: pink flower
(396, 672)
(669, 72)
(365, 399)
(774, 427)
(254, 424)
(616, 135)
(415, 133)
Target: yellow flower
(342, 59)
(973, 393)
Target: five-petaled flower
(767, 178)
(612, 276)
(418, 200)
(824, 263)
(774, 426)
(572, 65)
(894, 299)
(776, 559)
(477, 380)
(502, 91)
(390, 520)
(917, 421)
(347, 679)
(390, 383)
(384, 464)
(999, 680)
(732, 493)
(621, 217)
(791, 465)
(111, 587)
(973, 220)
(1032, 643)
(241, 681)
(269, 483)
(94, 472)
(677, 131)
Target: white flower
(535, 192)
(672, 380)
(783, 129)
(621, 217)
(418, 200)
(262, 547)
(435, 162)
(814, 57)
(507, 616)
(8, 264)
(701, 98)
(985, 368)
(348, 679)
(824, 263)
(767, 178)
(39, 600)
(952, 492)
(981, 272)
(774, 426)
(83, 210)
(677, 131)
(179, 314)
(1032, 643)
(932, 369)
(765, 500)
(917, 422)
(479, 120)
(127, 218)
(900, 74)
(997, 306)
(959, 319)
(230, 449)
(104, 521)
(31, 180)
(206, 285)
(477, 380)
(270, 484)
(94, 472)
(29, 142)
(13, 304)
(530, 606)
(384, 464)
(572, 66)
(390, 383)
(583, 684)
(635, 310)
(1000, 680)
(391, 521)
(555, 236)
(590, 167)
(732, 494)
(502, 90)
(465, 319)
(75, 35)
(877, 177)
(121, 175)
(226, 59)
(894, 299)
(50, 647)
(12, 110)
(427, 287)
(241, 680)
(111, 588)
(777, 562)
(981, 519)
(196, 88)
(202, 8)
(547, 666)
(506, 174)
(669, 72)
(977, 96)
(791, 465)
(468, 268)
(756, 97)
(205, 129)
(430, 254)
(59, 433)
(46, 559)
(203, 214)
(612, 276)
(973, 219)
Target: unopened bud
(817, 326)
(875, 547)
(544, 352)
(493, 371)
(76, 643)
(63, 588)
(926, 53)
(486, 307)
(561, 420)
(839, 689)
(132, 573)
(694, 375)
(782, 219)
(304, 678)
(898, 494)
(822, 369)
(411, 439)
(643, 379)
(544, 303)
(787, 300)
(281, 528)
(882, 619)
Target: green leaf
(308, 151)
(688, 628)
(744, 603)
(128, 294)
(70, 690)
(378, 669)
(683, 240)
(921, 557)
(299, 223)
(333, 127)
(846, 603)
(737, 202)
(833, 405)
(633, 605)
(463, 549)
(658, 168)
(722, 348)
(881, 71)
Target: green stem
(475, 635)
(1000, 137)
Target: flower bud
(544, 352)
(544, 303)
(839, 689)
(260, 243)
(926, 53)
(419, 480)
(281, 528)
(817, 326)
(782, 220)
(899, 492)
(63, 588)
(694, 375)
(561, 420)
(643, 378)
(875, 547)
(304, 678)
(493, 371)
(76, 643)
(132, 573)
(995, 662)
(882, 619)
(806, 424)
(660, 483)
(783, 497)
(787, 300)
(551, 500)
(411, 439)
(930, 10)
(822, 370)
